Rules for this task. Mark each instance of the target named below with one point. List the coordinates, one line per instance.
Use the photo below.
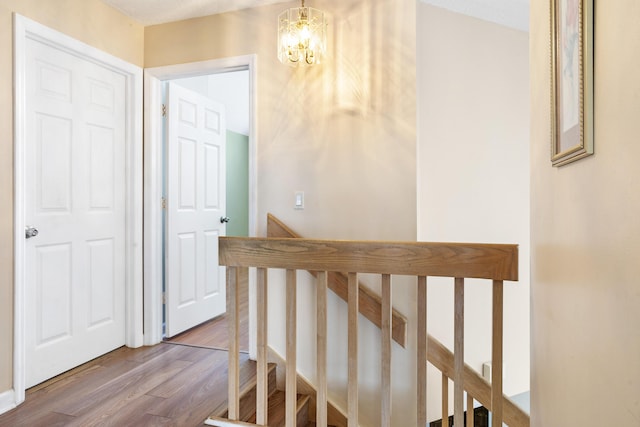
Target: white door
(196, 190)
(75, 173)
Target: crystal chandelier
(302, 36)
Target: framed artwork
(571, 80)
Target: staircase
(336, 265)
(276, 401)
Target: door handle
(30, 232)
(224, 219)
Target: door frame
(25, 29)
(154, 174)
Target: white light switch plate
(299, 200)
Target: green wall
(237, 184)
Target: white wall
(231, 89)
(473, 173)
(585, 238)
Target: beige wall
(585, 239)
(342, 132)
(473, 174)
(89, 21)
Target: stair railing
(458, 261)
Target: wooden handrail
(469, 260)
(369, 304)
(455, 260)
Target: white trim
(24, 29)
(19, 73)
(153, 176)
(152, 211)
(7, 401)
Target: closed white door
(196, 195)
(75, 197)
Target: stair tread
(248, 383)
(276, 409)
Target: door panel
(195, 203)
(53, 281)
(75, 195)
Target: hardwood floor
(176, 383)
(213, 334)
(164, 385)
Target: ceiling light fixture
(302, 36)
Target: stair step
(276, 414)
(248, 387)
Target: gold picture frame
(571, 80)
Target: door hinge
(164, 203)
(164, 298)
(164, 110)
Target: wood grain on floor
(176, 383)
(213, 334)
(167, 384)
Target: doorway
(195, 208)
(155, 78)
(210, 112)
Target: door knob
(30, 232)
(224, 219)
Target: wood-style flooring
(176, 383)
(213, 334)
(164, 385)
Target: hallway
(176, 383)
(164, 385)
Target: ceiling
(151, 12)
(511, 13)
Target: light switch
(299, 200)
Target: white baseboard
(7, 401)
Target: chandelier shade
(302, 36)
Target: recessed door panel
(102, 285)
(102, 168)
(212, 270)
(54, 289)
(187, 269)
(187, 173)
(212, 189)
(52, 141)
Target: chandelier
(302, 36)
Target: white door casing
(78, 179)
(154, 176)
(196, 205)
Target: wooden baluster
(445, 400)
(385, 404)
(291, 374)
(458, 354)
(321, 349)
(470, 411)
(352, 369)
(496, 355)
(422, 351)
(262, 391)
(234, 349)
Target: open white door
(196, 211)
(75, 193)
